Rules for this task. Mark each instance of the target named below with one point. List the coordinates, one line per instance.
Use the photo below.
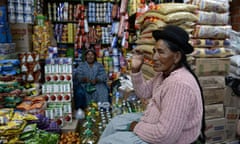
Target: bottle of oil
(89, 137)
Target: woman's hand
(137, 61)
(85, 80)
(132, 125)
(94, 81)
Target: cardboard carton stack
(211, 64)
(232, 98)
(22, 36)
(213, 92)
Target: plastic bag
(90, 88)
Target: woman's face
(163, 58)
(90, 57)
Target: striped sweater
(174, 112)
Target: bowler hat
(175, 35)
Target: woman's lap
(116, 131)
(125, 137)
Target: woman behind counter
(91, 81)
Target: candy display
(41, 39)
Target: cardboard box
(231, 114)
(71, 127)
(22, 36)
(214, 111)
(215, 125)
(211, 66)
(213, 95)
(215, 137)
(232, 142)
(231, 131)
(3, 2)
(212, 81)
(231, 99)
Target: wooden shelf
(99, 23)
(98, 1)
(66, 43)
(80, 1)
(64, 21)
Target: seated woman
(91, 78)
(175, 113)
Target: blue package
(8, 33)
(3, 14)
(3, 36)
(7, 67)
(12, 72)
(14, 62)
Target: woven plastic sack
(180, 17)
(212, 18)
(218, 6)
(212, 53)
(209, 31)
(145, 48)
(167, 8)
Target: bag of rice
(209, 43)
(145, 48)
(167, 8)
(212, 53)
(180, 16)
(148, 14)
(218, 6)
(149, 41)
(158, 23)
(151, 27)
(212, 18)
(209, 31)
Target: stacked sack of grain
(211, 56)
(157, 17)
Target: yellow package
(23, 116)
(15, 127)
(6, 112)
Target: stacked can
(58, 30)
(64, 33)
(50, 14)
(108, 16)
(60, 11)
(106, 61)
(116, 62)
(106, 35)
(64, 37)
(21, 11)
(99, 12)
(70, 12)
(39, 6)
(91, 12)
(54, 7)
